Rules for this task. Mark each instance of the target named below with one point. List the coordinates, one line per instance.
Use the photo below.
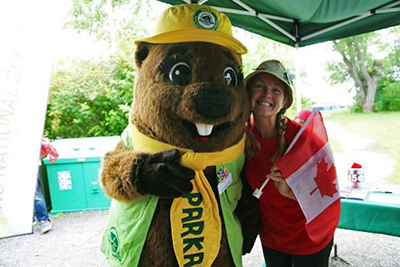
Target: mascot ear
(142, 51)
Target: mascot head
(189, 88)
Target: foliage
(392, 62)
(388, 92)
(306, 103)
(388, 96)
(117, 22)
(89, 98)
(359, 65)
(364, 63)
(92, 97)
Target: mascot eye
(180, 73)
(231, 76)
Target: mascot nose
(213, 102)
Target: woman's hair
(253, 147)
(280, 125)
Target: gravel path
(377, 165)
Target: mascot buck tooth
(178, 198)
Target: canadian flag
(309, 169)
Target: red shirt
(283, 220)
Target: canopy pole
(297, 78)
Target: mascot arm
(128, 175)
(249, 215)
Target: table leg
(336, 257)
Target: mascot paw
(161, 174)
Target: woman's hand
(280, 183)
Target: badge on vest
(114, 242)
(224, 179)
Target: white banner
(25, 72)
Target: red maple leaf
(324, 179)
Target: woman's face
(267, 95)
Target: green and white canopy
(300, 23)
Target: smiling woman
(287, 237)
(266, 96)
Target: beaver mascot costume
(177, 195)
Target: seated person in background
(302, 116)
(40, 205)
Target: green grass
(381, 128)
(335, 145)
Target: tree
(117, 22)
(359, 65)
(90, 98)
(388, 92)
(394, 55)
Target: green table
(377, 213)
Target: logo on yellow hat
(205, 19)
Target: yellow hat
(194, 23)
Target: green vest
(128, 223)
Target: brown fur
(162, 106)
(167, 112)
